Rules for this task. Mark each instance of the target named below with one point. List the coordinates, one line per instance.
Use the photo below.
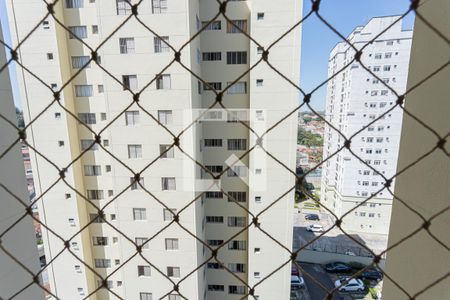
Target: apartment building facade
(355, 98)
(138, 135)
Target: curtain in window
(79, 62)
(74, 3)
(78, 31)
(83, 90)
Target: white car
(353, 285)
(297, 282)
(315, 228)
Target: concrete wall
(20, 241)
(420, 260)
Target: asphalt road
(316, 292)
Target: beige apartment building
(137, 135)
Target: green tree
(308, 139)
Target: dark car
(337, 267)
(294, 271)
(312, 217)
(372, 274)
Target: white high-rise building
(355, 98)
(134, 55)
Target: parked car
(353, 285)
(315, 228)
(314, 217)
(337, 267)
(297, 282)
(372, 274)
(294, 271)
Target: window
(135, 185)
(237, 88)
(100, 88)
(49, 56)
(94, 194)
(72, 222)
(175, 297)
(87, 118)
(213, 142)
(83, 90)
(80, 291)
(258, 199)
(77, 32)
(74, 3)
(237, 144)
(106, 143)
(126, 45)
(214, 195)
(379, 140)
(211, 56)
(362, 214)
(377, 162)
(237, 245)
(100, 241)
(58, 116)
(236, 289)
(168, 183)
(215, 242)
(215, 288)
(140, 241)
(387, 68)
(123, 7)
(131, 117)
(45, 24)
(163, 82)
(92, 170)
(260, 16)
(388, 55)
(168, 214)
(365, 183)
(145, 296)
(171, 244)
(103, 116)
(159, 6)
(389, 43)
(376, 68)
(215, 25)
(235, 25)
(237, 171)
(259, 82)
(212, 86)
(161, 44)
(214, 219)
(236, 57)
(79, 62)
(236, 268)
(237, 196)
(94, 29)
(378, 56)
(139, 214)
(102, 263)
(144, 271)
(134, 151)
(165, 152)
(129, 82)
(173, 271)
(165, 116)
(236, 221)
(96, 218)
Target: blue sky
(317, 39)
